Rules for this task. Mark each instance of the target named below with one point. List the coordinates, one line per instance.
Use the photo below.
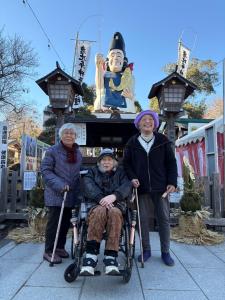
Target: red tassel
(131, 66)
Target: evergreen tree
(191, 200)
(195, 110)
(89, 94)
(154, 105)
(203, 73)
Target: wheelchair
(78, 242)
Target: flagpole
(179, 44)
(75, 53)
(77, 37)
(224, 134)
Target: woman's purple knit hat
(147, 112)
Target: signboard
(81, 138)
(29, 180)
(183, 59)
(32, 152)
(83, 49)
(41, 149)
(3, 144)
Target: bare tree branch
(17, 62)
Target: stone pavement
(199, 274)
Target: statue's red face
(116, 59)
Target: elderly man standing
(114, 79)
(60, 170)
(150, 164)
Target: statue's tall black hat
(118, 43)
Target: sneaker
(146, 255)
(89, 266)
(111, 266)
(167, 259)
(62, 253)
(48, 257)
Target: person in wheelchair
(106, 186)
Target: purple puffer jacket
(57, 173)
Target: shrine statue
(114, 79)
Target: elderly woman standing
(106, 187)
(60, 170)
(151, 166)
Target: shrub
(191, 200)
(37, 194)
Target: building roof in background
(187, 120)
(156, 87)
(43, 82)
(199, 133)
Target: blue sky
(151, 30)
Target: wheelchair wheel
(71, 272)
(82, 234)
(78, 250)
(72, 247)
(127, 274)
(132, 250)
(129, 255)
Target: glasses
(68, 133)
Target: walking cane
(139, 228)
(51, 264)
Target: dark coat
(97, 185)
(154, 170)
(57, 173)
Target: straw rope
(192, 230)
(35, 232)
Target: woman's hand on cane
(170, 189)
(135, 183)
(66, 188)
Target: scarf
(71, 153)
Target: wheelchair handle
(133, 224)
(75, 212)
(75, 216)
(134, 217)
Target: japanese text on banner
(183, 60)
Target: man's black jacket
(97, 185)
(154, 170)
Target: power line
(45, 33)
(219, 61)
